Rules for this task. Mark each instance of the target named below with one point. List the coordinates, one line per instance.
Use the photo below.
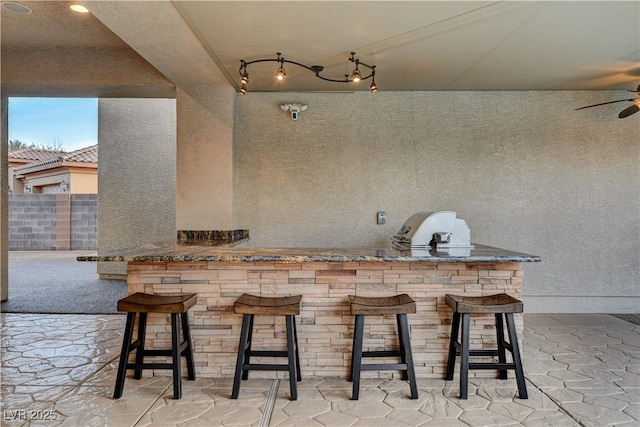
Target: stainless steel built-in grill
(441, 231)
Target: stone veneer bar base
(325, 327)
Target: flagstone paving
(59, 370)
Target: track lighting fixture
(373, 87)
(355, 77)
(280, 73)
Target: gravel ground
(54, 282)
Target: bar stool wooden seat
(499, 305)
(400, 305)
(141, 303)
(250, 305)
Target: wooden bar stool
(400, 305)
(250, 305)
(499, 305)
(177, 306)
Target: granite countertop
(167, 252)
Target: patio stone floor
(581, 370)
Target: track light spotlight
(373, 87)
(356, 76)
(281, 74)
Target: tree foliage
(15, 145)
(55, 145)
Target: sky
(42, 121)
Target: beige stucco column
(4, 208)
(204, 101)
(136, 177)
(204, 193)
(187, 156)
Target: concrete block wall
(84, 217)
(50, 222)
(32, 222)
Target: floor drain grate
(268, 407)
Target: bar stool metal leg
(247, 351)
(464, 356)
(191, 367)
(453, 351)
(403, 354)
(502, 354)
(353, 352)
(142, 330)
(291, 355)
(244, 337)
(407, 355)
(175, 354)
(295, 339)
(356, 362)
(515, 352)
(124, 355)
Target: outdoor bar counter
(324, 278)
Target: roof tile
(83, 155)
(35, 154)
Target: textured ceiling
(53, 24)
(415, 45)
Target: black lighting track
(354, 77)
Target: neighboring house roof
(31, 154)
(84, 157)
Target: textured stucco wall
(526, 171)
(84, 72)
(4, 200)
(205, 158)
(137, 174)
(83, 183)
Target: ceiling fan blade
(629, 111)
(605, 103)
